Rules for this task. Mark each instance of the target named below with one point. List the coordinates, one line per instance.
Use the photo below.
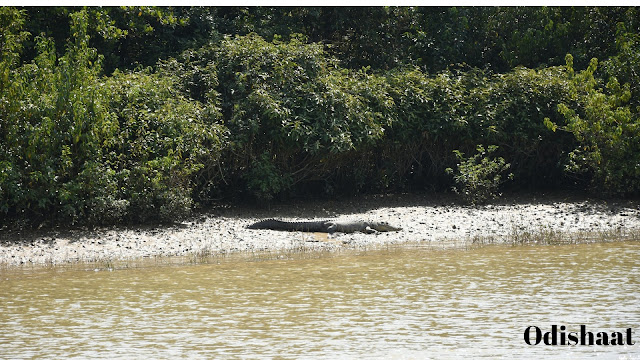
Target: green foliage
(513, 117)
(607, 131)
(291, 99)
(80, 148)
(436, 114)
(428, 114)
(625, 64)
(383, 38)
(478, 177)
(141, 113)
(264, 179)
(164, 141)
(53, 123)
(436, 38)
(544, 34)
(127, 36)
(12, 37)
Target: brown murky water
(402, 303)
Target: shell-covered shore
(424, 218)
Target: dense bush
(54, 123)
(135, 114)
(292, 112)
(164, 140)
(436, 114)
(78, 147)
(607, 129)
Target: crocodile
(327, 226)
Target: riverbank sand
(424, 218)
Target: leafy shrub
(80, 148)
(478, 177)
(264, 179)
(53, 124)
(429, 116)
(245, 114)
(607, 131)
(509, 111)
(435, 114)
(291, 99)
(163, 142)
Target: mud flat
(424, 219)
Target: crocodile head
(383, 226)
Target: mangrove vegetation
(131, 114)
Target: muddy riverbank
(424, 218)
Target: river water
(402, 303)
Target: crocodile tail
(265, 224)
(273, 224)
